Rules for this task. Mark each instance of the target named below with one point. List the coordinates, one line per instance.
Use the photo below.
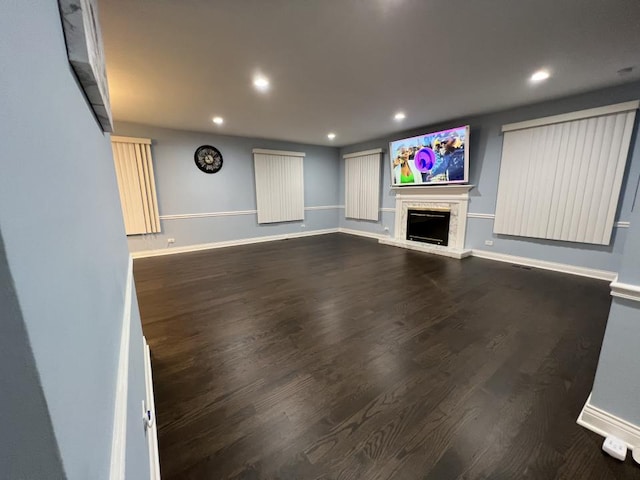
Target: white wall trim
(461, 190)
(144, 141)
(208, 214)
(228, 243)
(545, 265)
(233, 213)
(490, 216)
(119, 439)
(362, 233)
(571, 116)
(500, 257)
(264, 151)
(625, 290)
(323, 207)
(248, 241)
(362, 154)
(152, 431)
(606, 424)
(427, 248)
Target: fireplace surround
(453, 199)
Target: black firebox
(428, 226)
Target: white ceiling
(348, 65)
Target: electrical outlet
(489, 243)
(302, 226)
(386, 229)
(615, 447)
(171, 241)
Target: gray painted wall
(630, 268)
(485, 152)
(65, 245)
(616, 388)
(182, 188)
(27, 444)
(137, 456)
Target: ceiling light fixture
(540, 76)
(218, 120)
(399, 116)
(261, 83)
(331, 136)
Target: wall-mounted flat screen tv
(431, 159)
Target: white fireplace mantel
(454, 198)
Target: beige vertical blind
(136, 183)
(279, 185)
(362, 185)
(560, 176)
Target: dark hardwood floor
(334, 357)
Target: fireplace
(442, 233)
(428, 226)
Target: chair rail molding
(625, 290)
(491, 216)
(235, 213)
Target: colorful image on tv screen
(437, 157)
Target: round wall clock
(208, 159)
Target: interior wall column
(616, 388)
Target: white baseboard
(556, 267)
(606, 424)
(152, 431)
(119, 439)
(625, 290)
(362, 233)
(500, 257)
(427, 248)
(228, 243)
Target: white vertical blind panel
(150, 188)
(562, 181)
(279, 187)
(136, 185)
(142, 183)
(362, 186)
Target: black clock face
(208, 159)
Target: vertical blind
(362, 185)
(136, 183)
(279, 185)
(560, 177)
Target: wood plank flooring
(334, 357)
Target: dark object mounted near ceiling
(208, 159)
(86, 55)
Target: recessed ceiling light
(331, 136)
(540, 76)
(261, 83)
(399, 116)
(218, 120)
